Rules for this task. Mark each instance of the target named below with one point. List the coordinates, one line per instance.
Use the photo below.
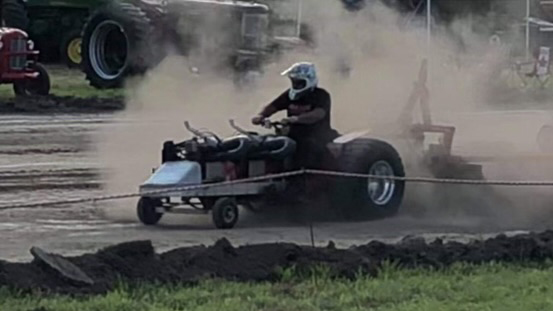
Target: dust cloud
(368, 62)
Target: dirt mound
(136, 262)
(60, 104)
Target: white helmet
(303, 76)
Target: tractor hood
(251, 7)
(8, 30)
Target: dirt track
(59, 104)
(48, 157)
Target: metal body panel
(214, 171)
(257, 168)
(239, 189)
(176, 174)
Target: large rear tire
(114, 41)
(369, 198)
(14, 14)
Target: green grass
(67, 82)
(462, 287)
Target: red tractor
(19, 65)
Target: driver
(308, 114)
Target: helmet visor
(298, 84)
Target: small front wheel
(146, 210)
(34, 86)
(225, 213)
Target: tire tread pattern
(137, 26)
(14, 14)
(351, 193)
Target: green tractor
(123, 38)
(55, 27)
(127, 38)
(110, 40)
(14, 14)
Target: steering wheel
(278, 125)
(273, 124)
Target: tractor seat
(275, 148)
(230, 149)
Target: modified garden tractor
(206, 162)
(196, 172)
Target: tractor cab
(223, 31)
(18, 63)
(253, 34)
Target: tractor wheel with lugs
(14, 14)
(359, 198)
(114, 44)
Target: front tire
(225, 213)
(367, 198)
(146, 211)
(34, 86)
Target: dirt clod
(136, 262)
(60, 265)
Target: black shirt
(318, 98)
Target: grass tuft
(67, 82)
(494, 286)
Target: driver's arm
(278, 104)
(311, 117)
(268, 111)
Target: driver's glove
(257, 120)
(289, 120)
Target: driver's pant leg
(309, 153)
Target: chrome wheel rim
(379, 188)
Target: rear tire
(362, 198)
(114, 40)
(146, 211)
(14, 14)
(225, 213)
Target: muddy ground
(59, 104)
(49, 156)
(137, 261)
